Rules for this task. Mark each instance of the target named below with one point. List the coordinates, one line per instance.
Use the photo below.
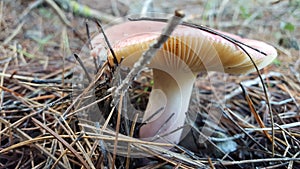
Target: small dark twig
(107, 42)
(90, 43)
(242, 129)
(150, 117)
(163, 125)
(83, 67)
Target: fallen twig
(85, 11)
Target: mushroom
(187, 52)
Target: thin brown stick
(131, 135)
(64, 152)
(77, 99)
(90, 136)
(151, 151)
(259, 161)
(254, 112)
(117, 128)
(83, 162)
(242, 129)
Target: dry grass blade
(29, 141)
(259, 160)
(117, 129)
(81, 95)
(10, 91)
(242, 129)
(64, 153)
(44, 97)
(63, 142)
(85, 11)
(16, 31)
(96, 137)
(129, 145)
(160, 152)
(59, 12)
(254, 113)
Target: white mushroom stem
(172, 92)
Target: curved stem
(172, 92)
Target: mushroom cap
(200, 50)
(187, 52)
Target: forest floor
(52, 116)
